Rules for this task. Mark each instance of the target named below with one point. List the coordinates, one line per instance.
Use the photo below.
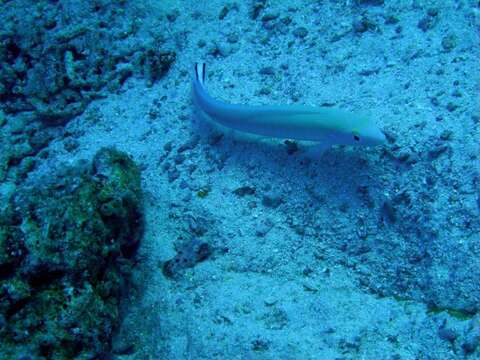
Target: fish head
(355, 136)
(367, 135)
(335, 126)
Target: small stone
(428, 21)
(472, 339)
(457, 93)
(172, 16)
(168, 146)
(452, 107)
(470, 345)
(203, 192)
(391, 20)
(407, 157)
(292, 147)
(223, 12)
(268, 70)
(447, 334)
(389, 212)
(219, 50)
(264, 228)
(188, 255)
(269, 17)
(25, 166)
(173, 175)
(391, 137)
(446, 135)
(257, 7)
(287, 20)
(265, 90)
(363, 25)
(179, 158)
(300, 32)
(370, 2)
(244, 190)
(232, 38)
(122, 347)
(449, 42)
(260, 345)
(70, 144)
(18, 124)
(190, 144)
(272, 200)
(438, 150)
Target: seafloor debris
(190, 253)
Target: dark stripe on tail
(200, 72)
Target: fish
(324, 125)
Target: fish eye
(356, 135)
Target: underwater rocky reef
(73, 53)
(67, 247)
(132, 229)
(68, 234)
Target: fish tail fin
(200, 72)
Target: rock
(472, 338)
(300, 32)
(190, 144)
(272, 199)
(47, 71)
(269, 17)
(263, 228)
(260, 345)
(173, 174)
(428, 21)
(244, 190)
(292, 147)
(363, 25)
(257, 7)
(188, 255)
(446, 333)
(449, 42)
(268, 70)
(370, 2)
(67, 243)
(451, 107)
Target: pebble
(268, 70)
(447, 334)
(472, 339)
(300, 32)
(244, 190)
(173, 175)
(272, 200)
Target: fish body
(319, 124)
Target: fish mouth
(375, 137)
(381, 137)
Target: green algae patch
(203, 193)
(67, 244)
(455, 313)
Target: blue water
(253, 248)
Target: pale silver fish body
(326, 125)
